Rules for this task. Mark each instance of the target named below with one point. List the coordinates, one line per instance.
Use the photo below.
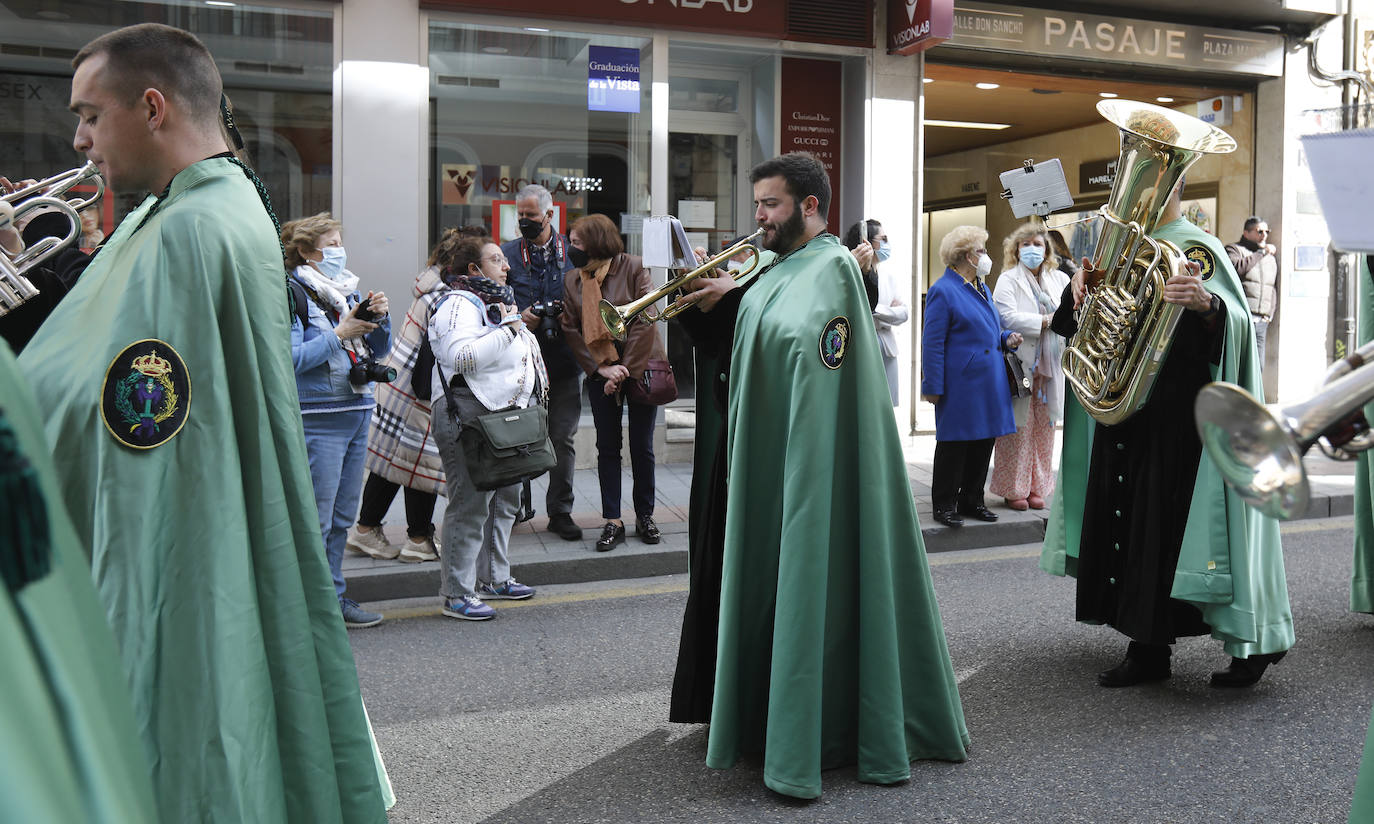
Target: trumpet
(617, 318)
(15, 287)
(1258, 449)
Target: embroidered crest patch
(1202, 256)
(834, 342)
(147, 394)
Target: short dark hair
(154, 56)
(1252, 221)
(466, 251)
(804, 175)
(599, 236)
(852, 238)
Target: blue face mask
(884, 251)
(1032, 256)
(332, 264)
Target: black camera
(368, 370)
(547, 308)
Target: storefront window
(277, 66)
(510, 106)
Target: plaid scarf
(485, 288)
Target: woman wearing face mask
(328, 343)
(963, 374)
(1027, 295)
(888, 309)
(604, 271)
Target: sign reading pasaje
(1095, 37)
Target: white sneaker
(372, 543)
(414, 552)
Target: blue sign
(612, 79)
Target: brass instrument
(1259, 448)
(15, 287)
(617, 318)
(1125, 328)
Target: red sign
(916, 25)
(755, 18)
(811, 104)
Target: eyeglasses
(497, 259)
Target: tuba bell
(15, 287)
(1258, 449)
(1125, 328)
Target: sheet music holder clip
(1036, 188)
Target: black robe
(1140, 488)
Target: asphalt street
(556, 711)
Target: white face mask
(984, 265)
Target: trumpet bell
(1256, 451)
(614, 319)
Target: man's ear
(810, 205)
(548, 216)
(155, 108)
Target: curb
(533, 565)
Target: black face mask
(578, 257)
(531, 229)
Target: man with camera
(538, 266)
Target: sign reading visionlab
(612, 79)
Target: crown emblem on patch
(152, 365)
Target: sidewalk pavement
(539, 557)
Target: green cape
(71, 750)
(1362, 583)
(206, 549)
(831, 650)
(1231, 562)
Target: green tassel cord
(25, 542)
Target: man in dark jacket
(1256, 261)
(538, 264)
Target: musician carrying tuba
(1161, 547)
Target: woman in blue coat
(964, 375)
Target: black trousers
(607, 413)
(378, 493)
(960, 472)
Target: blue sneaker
(469, 608)
(356, 616)
(511, 590)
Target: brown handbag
(656, 387)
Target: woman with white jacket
(488, 359)
(1027, 294)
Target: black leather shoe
(1135, 669)
(948, 517)
(647, 530)
(980, 512)
(563, 527)
(1246, 672)
(611, 534)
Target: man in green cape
(1362, 581)
(166, 383)
(830, 649)
(71, 749)
(1117, 521)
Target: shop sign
(1053, 33)
(1097, 175)
(612, 79)
(916, 25)
(811, 105)
(755, 18)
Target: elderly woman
(963, 374)
(1027, 295)
(401, 453)
(605, 271)
(333, 336)
(485, 360)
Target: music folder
(666, 245)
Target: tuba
(1125, 327)
(15, 287)
(1258, 449)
